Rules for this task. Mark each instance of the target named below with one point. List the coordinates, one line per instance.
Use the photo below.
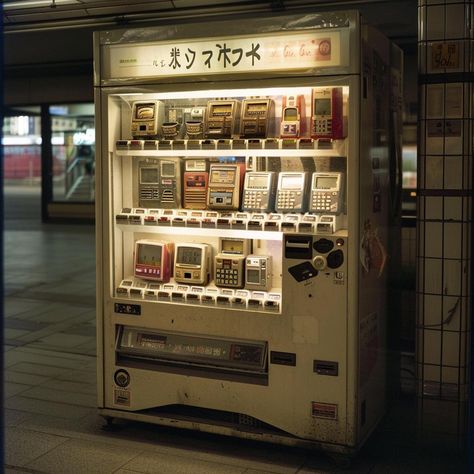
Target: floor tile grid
(39, 418)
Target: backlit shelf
(199, 231)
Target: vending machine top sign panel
(317, 44)
(228, 54)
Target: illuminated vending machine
(242, 257)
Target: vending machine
(242, 258)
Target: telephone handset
(292, 112)
(291, 192)
(326, 193)
(259, 191)
(327, 120)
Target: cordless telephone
(326, 193)
(291, 189)
(230, 263)
(259, 191)
(327, 120)
(291, 117)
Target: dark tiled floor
(52, 425)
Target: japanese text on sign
(226, 55)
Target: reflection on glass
(73, 144)
(22, 149)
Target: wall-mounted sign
(226, 55)
(444, 56)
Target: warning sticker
(122, 397)
(327, 411)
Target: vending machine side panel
(373, 228)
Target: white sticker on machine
(122, 397)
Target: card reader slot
(299, 247)
(324, 367)
(283, 358)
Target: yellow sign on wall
(444, 56)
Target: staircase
(82, 190)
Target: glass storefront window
(73, 145)
(21, 142)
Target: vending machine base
(258, 431)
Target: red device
(327, 120)
(195, 189)
(153, 260)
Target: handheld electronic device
(230, 262)
(291, 116)
(149, 183)
(221, 118)
(170, 184)
(291, 191)
(258, 270)
(195, 184)
(259, 191)
(146, 115)
(229, 271)
(255, 121)
(192, 263)
(327, 120)
(224, 187)
(326, 193)
(195, 123)
(153, 260)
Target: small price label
(444, 56)
(133, 309)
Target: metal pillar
(445, 171)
